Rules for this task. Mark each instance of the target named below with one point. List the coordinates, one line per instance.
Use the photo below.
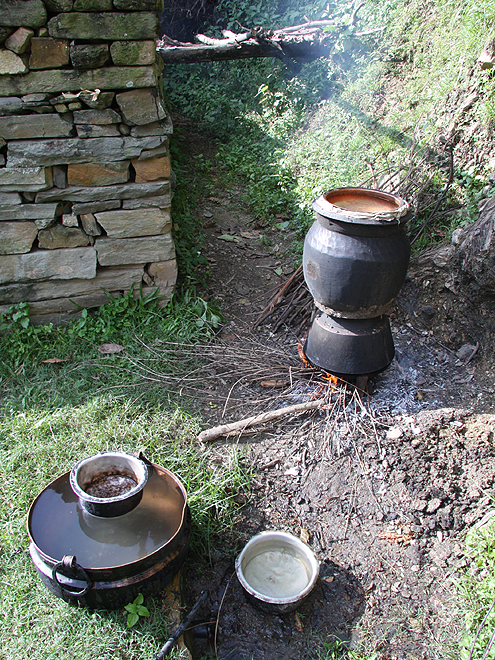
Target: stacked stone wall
(84, 159)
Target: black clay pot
(356, 254)
(350, 346)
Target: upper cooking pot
(356, 254)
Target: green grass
(477, 587)
(53, 414)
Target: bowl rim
(294, 540)
(83, 495)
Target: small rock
(465, 351)
(394, 433)
(429, 311)
(434, 505)
(419, 505)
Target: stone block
(59, 176)
(17, 237)
(103, 193)
(97, 100)
(22, 153)
(74, 80)
(120, 251)
(163, 273)
(11, 64)
(57, 237)
(141, 106)
(22, 127)
(89, 56)
(98, 174)
(20, 41)
(131, 223)
(94, 207)
(29, 211)
(133, 53)
(163, 127)
(34, 100)
(70, 220)
(93, 5)
(44, 223)
(89, 224)
(29, 13)
(48, 53)
(10, 106)
(152, 169)
(107, 116)
(10, 199)
(161, 201)
(107, 279)
(110, 26)
(49, 265)
(30, 179)
(161, 150)
(97, 131)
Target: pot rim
(124, 567)
(102, 501)
(296, 542)
(322, 206)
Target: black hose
(171, 641)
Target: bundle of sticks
(291, 304)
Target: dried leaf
(230, 238)
(304, 535)
(403, 537)
(54, 361)
(298, 622)
(108, 349)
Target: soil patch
(383, 483)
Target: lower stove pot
(350, 346)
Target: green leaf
(142, 610)
(132, 619)
(139, 600)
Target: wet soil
(383, 483)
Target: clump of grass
(477, 587)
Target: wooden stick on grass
(224, 429)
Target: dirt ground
(383, 483)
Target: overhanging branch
(307, 41)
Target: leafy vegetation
(386, 103)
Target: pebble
(434, 505)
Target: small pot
(277, 571)
(109, 484)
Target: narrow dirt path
(383, 486)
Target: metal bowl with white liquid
(277, 571)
